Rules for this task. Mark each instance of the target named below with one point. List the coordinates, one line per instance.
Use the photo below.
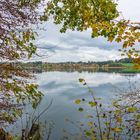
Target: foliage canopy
(16, 38)
(101, 16)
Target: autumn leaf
(81, 80)
(116, 129)
(78, 101)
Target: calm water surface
(63, 89)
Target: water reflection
(64, 88)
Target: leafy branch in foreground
(16, 43)
(15, 92)
(32, 129)
(101, 16)
(116, 122)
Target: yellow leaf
(90, 123)
(89, 116)
(92, 104)
(78, 101)
(116, 129)
(119, 119)
(93, 138)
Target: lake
(63, 88)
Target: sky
(79, 46)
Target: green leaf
(132, 109)
(81, 109)
(88, 134)
(81, 80)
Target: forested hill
(120, 61)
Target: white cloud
(95, 79)
(77, 54)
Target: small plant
(118, 122)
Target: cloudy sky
(79, 46)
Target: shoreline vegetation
(125, 65)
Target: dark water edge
(89, 70)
